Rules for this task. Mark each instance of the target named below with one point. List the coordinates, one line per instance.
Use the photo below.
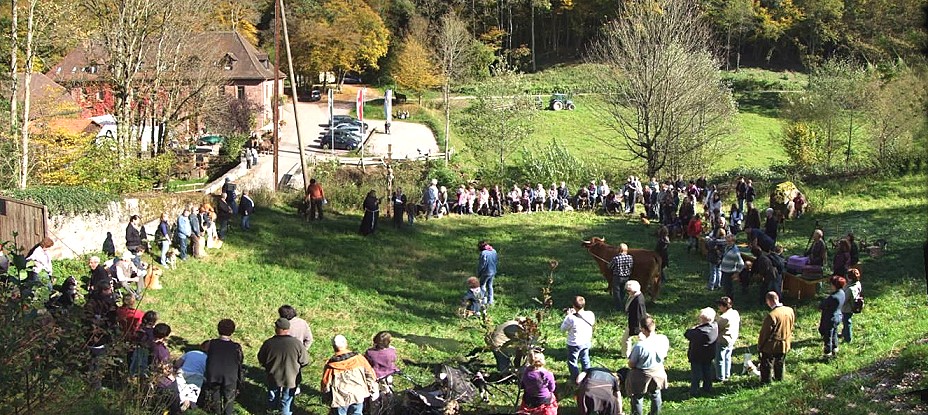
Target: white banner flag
(360, 105)
(388, 106)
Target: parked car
(352, 79)
(354, 122)
(398, 98)
(309, 95)
(342, 142)
(211, 139)
(347, 133)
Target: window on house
(92, 69)
(100, 96)
(74, 69)
(2, 207)
(240, 92)
(227, 65)
(58, 70)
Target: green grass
(410, 281)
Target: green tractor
(560, 101)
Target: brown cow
(646, 268)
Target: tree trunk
(27, 89)
(446, 97)
(14, 52)
(532, 2)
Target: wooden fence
(27, 220)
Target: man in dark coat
(701, 352)
(223, 377)
(246, 208)
(223, 216)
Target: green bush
(555, 163)
(62, 200)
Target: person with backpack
(715, 252)
(853, 302)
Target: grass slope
(410, 281)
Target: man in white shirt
(578, 323)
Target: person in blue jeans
(183, 232)
(246, 208)
(578, 323)
(486, 269)
(701, 352)
(647, 377)
(163, 235)
(282, 357)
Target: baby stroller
(453, 386)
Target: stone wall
(80, 235)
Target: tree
(832, 100)
(662, 86)
(340, 36)
(414, 67)
(238, 16)
(453, 45)
(894, 114)
(734, 19)
(498, 120)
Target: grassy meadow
(409, 281)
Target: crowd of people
(210, 375)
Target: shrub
(554, 163)
(803, 146)
(62, 200)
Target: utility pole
(276, 103)
(296, 118)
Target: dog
(644, 219)
(153, 278)
(170, 258)
(749, 366)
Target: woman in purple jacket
(538, 384)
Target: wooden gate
(25, 218)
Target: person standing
(715, 253)
(701, 352)
(741, 192)
(228, 189)
(399, 207)
(635, 310)
(183, 232)
(163, 237)
(246, 207)
(729, 324)
(831, 315)
(299, 329)
(224, 214)
(776, 336)
(40, 261)
(196, 233)
(732, 263)
(223, 376)
(347, 380)
(749, 194)
(621, 266)
(316, 195)
(371, 214)
(487, 262)
(851, 294)
(430, 199)
(282, 356)
(771, 224)
(647, 376)
(136, 237)
(578, 323)
(663, 249)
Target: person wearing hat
(347, 380)
(282, 357)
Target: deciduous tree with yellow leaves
(415, 68)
